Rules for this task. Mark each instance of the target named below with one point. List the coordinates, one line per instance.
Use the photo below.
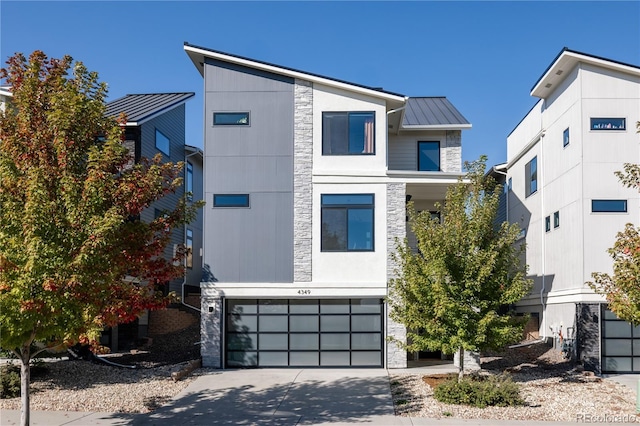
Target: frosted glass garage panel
(274, 323)
(617, 329)
(334, 341)
(617, 347)
(304, 306)
(366, 358)
(242, 359)
(334, 323)
(273, 359)
(366, 323)
(334, 359)
(242, 323)
(366, 306)
(636, 364)
(274, 341)
(247, 306)
(242, 341)
(304, 358)
(613, 364)
(304, 341)
(304, 323)
(334, 306)
(273, 306)
(361, 341)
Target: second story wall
(404, 155)
(250, 154)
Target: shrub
(479, 391)
(9, 381)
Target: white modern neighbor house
(306, 183)
(561, 160)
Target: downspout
(184, 238)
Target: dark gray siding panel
(171, 124)
(252, 244)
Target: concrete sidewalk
(273, 397)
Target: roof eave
(198, 55)
(437, 127)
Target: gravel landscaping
(552, 389)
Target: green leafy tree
(622, 289)
(70, 202)
(451, 294)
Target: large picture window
(531, 176)
(348, 133)
(347, 222)
(429, 156)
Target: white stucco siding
(524, 132)
(348, 268)
(329, 99)
(600, 83)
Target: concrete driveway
(280, 396)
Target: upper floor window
(608, 124)
(347, 222)
(556, 219)
(230, 118)
(429, 156)
(565, 137)
(531, 176)
(162, 142)
(547, 224)
(230, 200)
(189, 181)
(609, 206)
(348, 133)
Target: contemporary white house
(306, 179)
(562, 190)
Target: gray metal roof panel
(139, 107)
(432, 111)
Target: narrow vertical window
(565, 137)
(162, 142)
(189, 181)
(531, 176)
(547, 224)
(189, 244)
(556, 219)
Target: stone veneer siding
(396, 231)
(302, 186)
(211, 329)
(453, 154)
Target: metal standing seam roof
(432, 111)
(140, 107)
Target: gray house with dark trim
(306, 179)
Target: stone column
(211, 329)
(453, 154)
(396, 231)
(302, 186)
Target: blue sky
(483, 56)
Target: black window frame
(602, 202)
(565, 137)
(236, 123)
(168, 151)
(547, 224)
(188, 242)
(599, 124)
(347, 206)
(556, 219)
(420, 169)
(217, 204)
(189, 180)
(531, 178)
(326, 146)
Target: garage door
(304, 333)
(620, 344)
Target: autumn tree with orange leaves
(74, 256)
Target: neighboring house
(306, 183)
(156, 125)
(5, 96)
(561, 160)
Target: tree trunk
(25, 382)
(461, 365)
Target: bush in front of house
(9, 381)
(480, 391)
